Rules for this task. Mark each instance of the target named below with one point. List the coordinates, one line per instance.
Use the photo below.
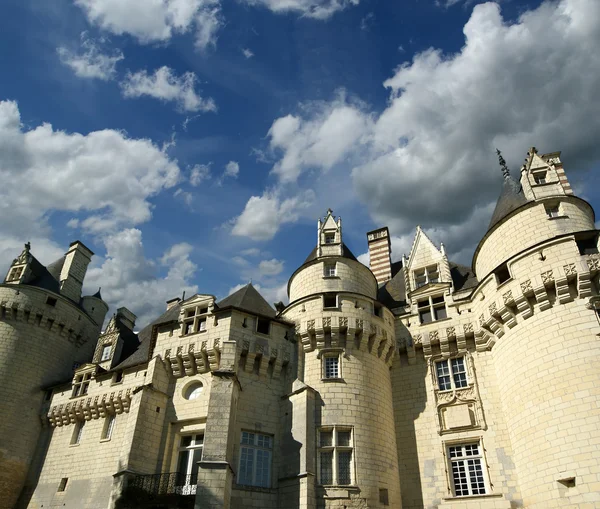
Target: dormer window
(552, 211)
(539, 177)
(426, 275)
(329, 238)
(106, 353)
(81, 384)
(15, 274)
(194, 320)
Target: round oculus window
(194, 390)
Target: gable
(423, 252)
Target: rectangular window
(263, 326)
(587, 246)
(552, 211)
(331, 366)
(106, 353)
(330, 300)
(255, 459)
(15, 274)
(432, 309)
(466, 466)
(62, 485)
(502, 274)
(539, 177)
(195, 320)
(329, 269)
(81, 384)
(451, 374)
(427, 275)
(329, 238)
(77, 432)
(109, 426)
(335, 456)
(51, 301)
(202, 325)
(190, 453)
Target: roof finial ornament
(329, 211)
(183, 296)
(27, 246)
(502, 162)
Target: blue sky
(192, 144)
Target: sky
(192, 144)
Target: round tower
(43, 332)
(538, 265)
(347, 342)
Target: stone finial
(502, 163)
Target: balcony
(159, 491)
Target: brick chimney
(380, 250)
(73, 271)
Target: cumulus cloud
(271, 267)
(105, 177)
(263, 215)
(429, 157)
(127, 277)
(247, 52)
(167, 86)
(156, 20)
(91, 62)
(199, 173)
(318, 9)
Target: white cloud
(156, 20)
(232, 169)
(271, 267)
(263, 215)
(127, 277)
(320, 141)
(252, 251)
(185, 196)
(318, 9)
(92, 62)
(367, 22)
(247, 52)
(429, 157)
(105, 177)
(166, 86)
(199, 173)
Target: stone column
(215, 473)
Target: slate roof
(139, 351)
(56, 267)
(42, 277)
(248, 299)
(511, 198)
(346, 253)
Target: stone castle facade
(416, 384)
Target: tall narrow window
(466, 465)
(109, 426)
(106, 352)
(451, 374)
(255, 459)
(77, 432)
(190, 453)
(335, 450)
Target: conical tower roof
(511, 198)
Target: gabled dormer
(20, 268)
(426, 270)
(329, 241)
(195, 313)
(543, 176)
(117, 341)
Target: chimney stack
(380, 250)
(73, 270)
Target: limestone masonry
(416, 384)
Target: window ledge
(551, 183)
(331, 277)
(558, 217)
(102, 440)
(248, 487)
(472, 497)
(262, 334)
(448, 318)
(333, 380)
(74, 445)
(500, 285)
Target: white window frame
(109, 427)
(337, 300)
(77, 432)
(195, 320)
(256, 454)
(15, 274)
(187, 481)
(328, 371)
(451, 375)
(466, 463)
(335, 449)
(106, 351)
(426, 275)
(329, 269)
(433, 308)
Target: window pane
(326, 438)
(344, 462)
(476, 476)
(459, 372)
(246, 463)
(263, 466)
(182, 465)
(343, 438)
(425, 316)
(326, 472)
(331, 367)
(471, 450)
(247, 438)
(459, 476)
(197, 456)
(186, 441)
(441, 313)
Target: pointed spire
(502, 162)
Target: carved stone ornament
(526, 286)
(468, 328)
(593, 264)
(548, 277)
(570, 269)
(508, 297)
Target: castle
(416, 384)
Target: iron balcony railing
(173, 483)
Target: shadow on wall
(409, 397)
